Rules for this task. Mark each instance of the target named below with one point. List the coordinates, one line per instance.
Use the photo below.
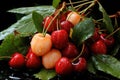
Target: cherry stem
(4, 57)
(83, 46)
(71, 3)
(91, 5)
(83, 4)
(113, 33)
(76, 2)
(59, 10)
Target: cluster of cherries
(31, 61)
(102, 42)
(55, 50)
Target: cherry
(70, 51)
(41, 44)
(96, 34)
(49, 59)
(80, 65)
(17, 60)
(99, 47)
(32, 61)
(74, 17)
(63, 16)
(108, 41)
(66, 25)
(59, 39)
(47, 20)
(63, 66)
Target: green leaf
(45, 74)
(37, 19)
(43, 10)
(55, 3)
(14, 43)
(90, 66)
(106, 19)
(24, 25)
(107, 64)
(83, 30)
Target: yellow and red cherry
(49, 59)
(41, 44)
(74, 17)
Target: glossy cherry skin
(66, 25)
(96, 34)
(63, 66)
(49, 59)
(70, 51)
(59, 39)
(17, 60)
(108, 41)
(33, 61)
(63, 16)
(74, 17)
(41, 43)
(80, 65)
(99, 47)
(47, 20)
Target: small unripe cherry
(49, 59)
(74, 17)
(41, 44)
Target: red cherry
(63, 66)
(17, 60)
(59, 39)
(99, 47)
(47, 20)
(66, 25)
(32, 61)
(96, 35)
(63, 16)
(80, 65)
(108, 41)
(70, 51)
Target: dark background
(6, 19)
